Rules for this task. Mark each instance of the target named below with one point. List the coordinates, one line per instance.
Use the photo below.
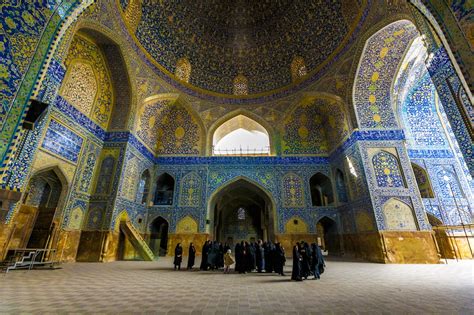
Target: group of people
(255, 256)
(308, 261)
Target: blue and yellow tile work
(368, 113)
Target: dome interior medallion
(259, 41)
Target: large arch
(233, 196)
(151, 128)
(119, 68)
(248, 114)
(40, 214)
(378, 65)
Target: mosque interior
(129, 126)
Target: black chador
(279, 259)
(268, 251)
(178, 256)
(296, 272)
(259, 256)
(191, 256)
(238, 257)
(252, 257)
(305, 260)
(205, 251)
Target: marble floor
(153, 287)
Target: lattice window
(241, 85)
(298, 68)
(241, 214)
(183, 70)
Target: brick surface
(154, 288)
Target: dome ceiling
(221, 40)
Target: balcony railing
(265, 151)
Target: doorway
(242, 211)
(159, 236)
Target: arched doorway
(321, 190)
(328, 235)
(164, 190)
(159, 236)
(39, 209)
(242, 211)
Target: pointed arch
(164, 190)
(118, 63)
(168, 125)
(270, 203)
(398, 215)
(423, 181)
(328, 235)
(158, 231)
(387, 169)
(321, 190)
(376, 71)
(265, 127)
(314, 125)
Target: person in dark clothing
(205, 252)
(252, 257)
(212, 256)
(238, 257)
(178, 256)
(259, 256)
(317, 262)
(269, 257)
(279, 259)
(305, 260)
(296, 272)
(191, 256)
(244, 256)
(220, 256)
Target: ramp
(137, 240)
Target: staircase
(137, 240)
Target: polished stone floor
(153, 287)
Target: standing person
(205, 251)
(191, 256)
(305, 260)
(220, 257)
(253, 256)
(279, 259)
(260, 256)
(178, 256)
(238, 257)
(296, 273)
(212, 255)
(317, 264)
(243, 258)
(268, 252)
(228, 261)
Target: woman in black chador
(238, 258)
(305, 260)
(279, 259)
(296, 273)
(317, 262)
(259, 256)
(178, 256)
(191, 256)
(205, 251)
